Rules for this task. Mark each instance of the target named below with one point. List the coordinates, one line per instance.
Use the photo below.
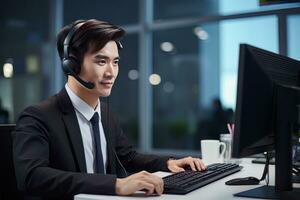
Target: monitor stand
(269, 192)
(286, 115)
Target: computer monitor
(266, 109)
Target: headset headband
(69, 37)
(71, 34)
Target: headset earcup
(65, 66)
(70, 66)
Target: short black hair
(90, 37)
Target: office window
(124, 97)
(172, 9)
(258, 31)
(293, 32)
(175, 88)
(227, 7)
(23, 37)
(197, 66)
(114, 11)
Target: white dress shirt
(84, 113)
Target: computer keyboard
(187, 181)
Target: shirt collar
(81, 106)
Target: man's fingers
(156, 181)
(158, 184)
(190, 162)
(161, 185)
(177, 169)
(198, 165)
(147, 187)
(142, 181)
(203, 166)
(195, 164)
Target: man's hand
(195, 164)
(140, 181)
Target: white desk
(213, 191)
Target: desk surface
(214, 191)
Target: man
(71, 143)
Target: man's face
(101, 68)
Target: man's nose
(109, 69)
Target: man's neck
(83, 93)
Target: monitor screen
(259, 74)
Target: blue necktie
(99, 166)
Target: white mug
(210, 150)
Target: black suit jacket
(49, 156)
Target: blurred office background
(178, 70)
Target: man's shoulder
(48, 104)
(47, 113)
(51, 104)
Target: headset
(69, 63)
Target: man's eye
(102, 62)
(116, 62)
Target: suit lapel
(72, 127)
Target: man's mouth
(106, 83)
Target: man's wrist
(118, 186)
